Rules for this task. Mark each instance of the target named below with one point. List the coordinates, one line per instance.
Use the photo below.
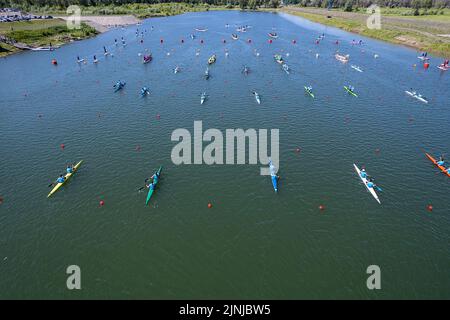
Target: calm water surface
(253, 243)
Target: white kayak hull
(364, 180)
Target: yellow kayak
(67, 176)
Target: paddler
(69, 168)
(351, 88)
(145, 91)
(154, 178)
(61, 179)
(441, 161)
(363, 173)
(370, 183)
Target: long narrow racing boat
(364, 180)
(67, 177)
(273, 176)
(150, 190)
(350, 91)
(309, 91)
(442, 168)
(416, 95)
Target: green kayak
(309, 91)
(350, 91)
(151, 190)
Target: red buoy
(321, 207)
(54, 62)
(101, 203)
(62, 146)
(201, 41)
(426, 65)
(430, 207)
(270, 40)
(209, 205)
(161, 40)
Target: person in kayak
(61, 179)
(441, 161)
(145, 91)
(69, 168)
(363, 173)
(351, 88)
(154, 178)
(370, 183)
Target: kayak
(150, 191)
(234, 36)
(423, 58)
(212, 59)
(309, 91)
(356, 68)
(435, 162)
(67, 177)
(257, 98)
(273, 35)
(203, 98)
(278, 58)
(364, 180)
(176, 70)
(443, 68)
(273, 176)
(350, 91)
(342, 58)
(119, 87)
(417, 96)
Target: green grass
(386, 34)
(42, 32)
(6, 49)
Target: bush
(348, 6)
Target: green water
(252, 243)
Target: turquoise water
(252, 243)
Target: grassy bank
(420, 32)
(38, 33)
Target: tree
(348, 6)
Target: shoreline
(105, 23)
(422, 35)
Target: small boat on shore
(342, 58)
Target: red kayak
(435, 162)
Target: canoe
(435, 163)
(150, 191)
(364, 180)
(67, 176)
(350, 91)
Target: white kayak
(364, 180)
(203, 98)
(356, 68)
(417, 96)
(258, 99)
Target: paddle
(378, 188)
(145, 186)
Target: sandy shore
(103, 23)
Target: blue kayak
(273, 175)
(275, 183)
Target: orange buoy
(209, 205)
(430, 207)
(426, 65)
